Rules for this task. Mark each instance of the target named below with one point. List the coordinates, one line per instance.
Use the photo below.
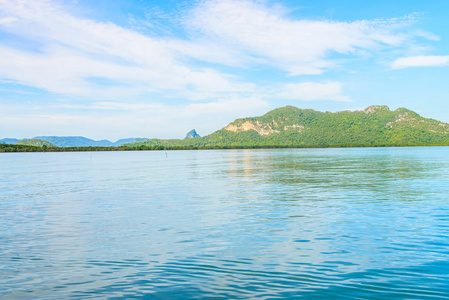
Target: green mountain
(291, 126)
(35, 142)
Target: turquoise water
(361, 223)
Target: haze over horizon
(117, 69)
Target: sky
(111, 69)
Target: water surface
(359, 223)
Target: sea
(330, 223)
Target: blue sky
(116, 69)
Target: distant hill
(70, 141)
(127, 141)
(35, 142)
(9, 141)
(292, 126)
(192, 134)
(80, 141)
(73, 141)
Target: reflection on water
(318, 223)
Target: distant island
(285, 127)
(69, 141)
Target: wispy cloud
(300, 47)
(69, 51)
(313, 91)
(420, 61)
(7, 20)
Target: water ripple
(300, 223)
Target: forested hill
(35, 142)
(291, 126)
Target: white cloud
(427, 35)
(297, 46)
(312, 91)
(420, 61)
(7, 20)
(69, 52)
(234, 104)
(114, 106)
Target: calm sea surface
(362, 223)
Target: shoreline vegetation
(11, 148)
